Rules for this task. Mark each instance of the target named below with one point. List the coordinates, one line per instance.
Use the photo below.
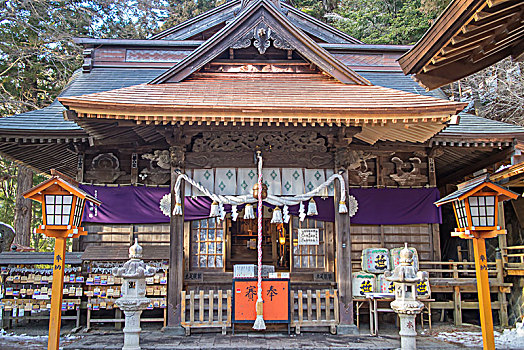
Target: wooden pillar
(176, 249)
(343, 253)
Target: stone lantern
(406, 277)
(133, 300)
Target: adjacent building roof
(37, 258)
(469, 35)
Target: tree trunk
(22, 223)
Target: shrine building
(166, 132)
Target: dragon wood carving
(358, 167)
(293, 141)
(407, 178)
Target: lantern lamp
(62, 209)
(62, 206)
(476, 209)
(475, 204)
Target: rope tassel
(312, 208)
(214, 210)
(277, 216)
(177, 210)
(342, 208)
(249, 212)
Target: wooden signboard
(275, 293)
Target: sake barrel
(362, 283)
(375, 260)
(384, 286)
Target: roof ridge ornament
(262, 33)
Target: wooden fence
(206, 310)
(315, 309)
(212, 309)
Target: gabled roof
(226, 12)
(274, 99)
(469, 35)
(256, 13)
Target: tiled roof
(51, 118)
(398, 81)
(473, 125)
(105, 79)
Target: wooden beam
(492, 159)
(455, 70)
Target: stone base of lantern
(132, 310)
(408, 340)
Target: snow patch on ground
(21, 337)
(509, 339)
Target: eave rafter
(469, 36)
(486, 33)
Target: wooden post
(503, 311)
(56, 294)
(176, 249)
(486, 317)
(343, 253)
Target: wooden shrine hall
(165, 132)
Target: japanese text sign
(275, 293)
(308, 236)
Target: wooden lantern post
(476, 209)
(63, 205)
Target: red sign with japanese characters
(275, 293)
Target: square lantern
(476, 206)
(62, 205)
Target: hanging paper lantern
(277, 216)
(249, 212)
(312, 208)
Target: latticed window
(57, 209)
(460, 208)
(312, 256)
(207, 244)
(482, 210)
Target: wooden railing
(451, 279)
(513, 258)
(315, 309)
(206, 310)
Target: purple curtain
(396, 206)
(141, 205)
